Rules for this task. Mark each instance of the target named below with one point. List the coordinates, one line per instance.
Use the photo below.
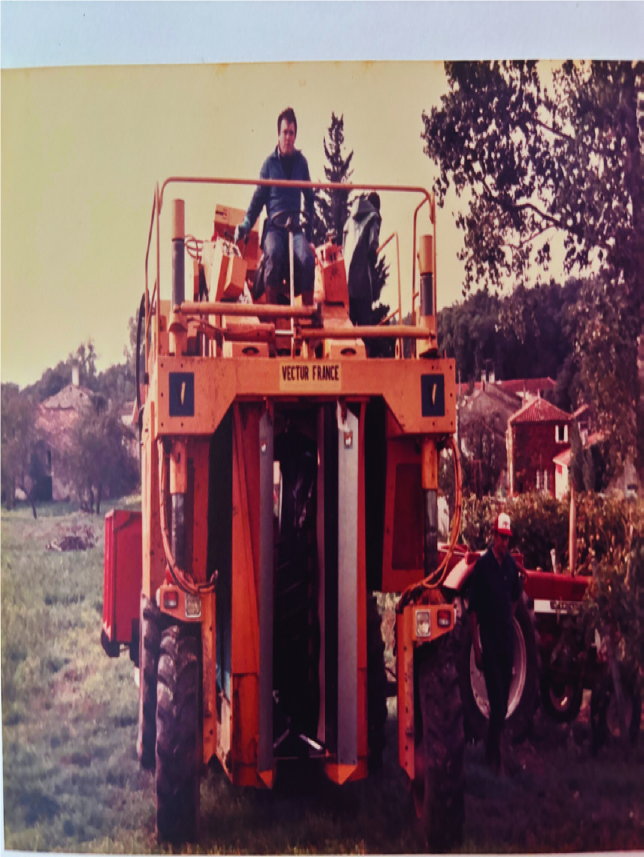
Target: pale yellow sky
(82, 149)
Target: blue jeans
(276, 265)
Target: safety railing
(399, 331)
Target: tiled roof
(527, 385)
(540, 411)
(69, 397)
(58, 414)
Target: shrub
(539, 524)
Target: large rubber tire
(604, 720)
(177, 745)
(524, 689)
(376, 685)
(443, 743)
(149, 643)
(560, 699)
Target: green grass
(72, 781)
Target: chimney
(75, 375)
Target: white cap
(502, 524)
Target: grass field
(72, 781)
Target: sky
(101, 100)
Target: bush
(477, 521)
(539, 524)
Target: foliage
(539, 525)
(116, 383)
(589, 468)
(611, 547)
(22, 467)
(538, 162)
(331, 213)
(603, 340)
(477, 520)
(530, 333)
(98, 460)
(484, 458)
(54, 380)
(332, 206)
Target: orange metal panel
(405, 656)
(197, 507)
(245, 620)
(208, 648)
(340, 773)
(217, 382)
(245, 731)
(363, 748)
(402, 558)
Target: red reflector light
(444, 618)
(170, 599)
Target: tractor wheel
(376, 685)
(149, 642)
(177, 746)
(523, 689)
(561, 699)
(443, 742)
(604, 719)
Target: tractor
(286, 479)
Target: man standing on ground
(495, 588)
(287, 164)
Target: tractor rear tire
(376, 685)
(604, 721)
(561, 700)
(524, 689)
(443, 807)
(177, 746)
(149, 643)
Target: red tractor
(551, 656)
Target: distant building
(524, 388)
(482, 422)
(55, 420)
(536, 435)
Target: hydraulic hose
(178, 575)
(433, 580)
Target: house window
(541, 480)
(561, 434)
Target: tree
(98, 460)
(536, 161)
(54, 380)
(22, 467)
(332, 206)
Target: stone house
(55, 420)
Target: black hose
(137, 361)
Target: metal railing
(399, 331)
